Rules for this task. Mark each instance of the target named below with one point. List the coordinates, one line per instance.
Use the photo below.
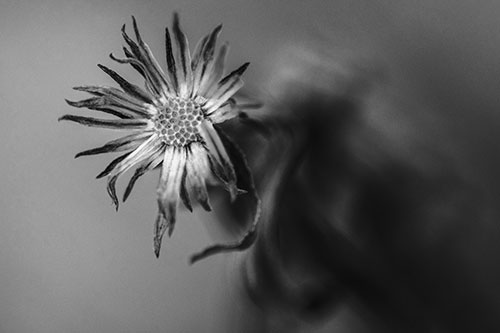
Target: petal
(143, 57)
(198, 169)
(214, 76)
(196, 64)
(184, 73)
(121, 144)
(223, 167)
(95, 103)
(141, 68)
(184, 191)
(109, 96)
(151, 63)
(112, 165)
(164, 219)
(203, 61)
(128, 87)
(245, 180)
(174, 161)
(142, 153)
(129, 54)
(148, 165)
(226, 88)
(172, 71)
(198, 52)
(227, 111)
(107, 123)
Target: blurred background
(406, 93)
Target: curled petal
(245, 180)
(148, 165)
(221, 162)
(142, 153)
(140, 67)
(112, 165)
(198, 169)
(184, 192)
(139, 155)
(129, 54)
(112, 97)
(111, 188)
(164, 220)
(95, 103)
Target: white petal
(212, 78)
(140, 154)
(225, 112)
(219, 153)
(174, 162)
(222, 94)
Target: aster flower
(174, 127)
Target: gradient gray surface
(68, 261)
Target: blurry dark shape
(388, 225)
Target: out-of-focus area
(379, 173)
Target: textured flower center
(177, 122)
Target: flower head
(173, 124)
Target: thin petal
(196, 66)
(112, 165)
(143, 58)
(164, 220)
(213, 77)
(128, 87)
(151, 63)
(198, 52)
(109, 96)
(142, 153)
(168, 194)
(107, 123)
(111, 188)
(236, 73)
(141, 68)
(121, 144)
(184, 192)
(174, 163)
(184, 73)
(220, 157)
(203, 63)
(95, 103)
(245, 180)
(171, 61)
(227, 111)
(129, 54)
(223, 94)
(148, 165)
(226, 88)
(198, 169)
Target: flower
(173, 123)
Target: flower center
(177, 122)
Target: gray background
(68, 262)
